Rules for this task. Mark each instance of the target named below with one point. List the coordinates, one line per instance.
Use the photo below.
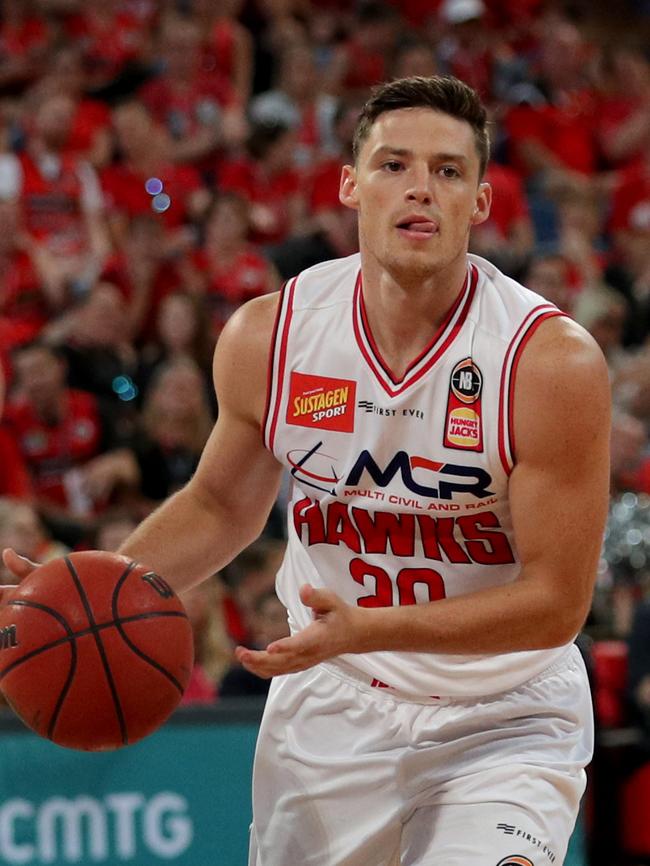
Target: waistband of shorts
(569, 660)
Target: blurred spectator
(147, 268)
(506, 239)
(25, 37)
(623, 123)
(113, 42)
(552, 128)
(213, 649)
(248, 577)
(414, 57)
(183, 330)
(229, 269)
(602, 311)
(175, 424)
(89, 136)
(549, 276)
(464, 49)
(268, 180)
(267, 622)
(630, 230)
(22, 529)
(580, 221)
(299, 103)
(113, 527)
(28, 299)
(73, 465)
(147, 181)
(639, 664)
(332, 227)
(14, 478)
(60, 200)
(228, 45)
(364, 58)
(200, 110)
(94, 339)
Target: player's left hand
(331, 633)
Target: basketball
(95, 651)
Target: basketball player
(447, 434)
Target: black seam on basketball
(100, 648)
(57, 616)
(77, 634)
(118, 625)
(73, 659)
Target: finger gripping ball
(95, 650)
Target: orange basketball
(95, 651)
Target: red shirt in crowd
(108, 47)
(232, 283)
(23, 37)
(91, 117)
(567, 129)
(185, 110)
(50, 451)
(631, 200)
(509, 203)
(22, 301)
(246, 177)
(53, 206)
(125, 192)
(14, 478)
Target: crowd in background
(164, 161)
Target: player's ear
(348, 187)
(482, 205)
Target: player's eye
(449, 171)
(392, 165)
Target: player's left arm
(558, 493)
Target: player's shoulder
(250, 328)
(325, 284)
(563, 362)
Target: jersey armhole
(277, 363)
(506, 432)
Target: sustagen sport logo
(322, 402)
(124, 827)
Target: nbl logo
(466, 381)
(157, 583)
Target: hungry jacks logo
(463, 427)
(322, 402)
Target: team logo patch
(463, 425)
(515, 860)
(322, 402)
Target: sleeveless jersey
(400, 487)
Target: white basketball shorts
(348, 775)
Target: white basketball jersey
(400, 487)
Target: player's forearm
(523, 615)
(189, 537)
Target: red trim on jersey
(360, 321)
(282, 357)
(269, 368)
(507, 385)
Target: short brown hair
(440, 93)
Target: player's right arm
(225, 506)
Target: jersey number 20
(406, 581)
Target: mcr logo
(157, 583)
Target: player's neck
(404, 315)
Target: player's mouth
(417, 227)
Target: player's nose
(419, 188)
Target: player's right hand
(16, 568)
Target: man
(447, 433)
